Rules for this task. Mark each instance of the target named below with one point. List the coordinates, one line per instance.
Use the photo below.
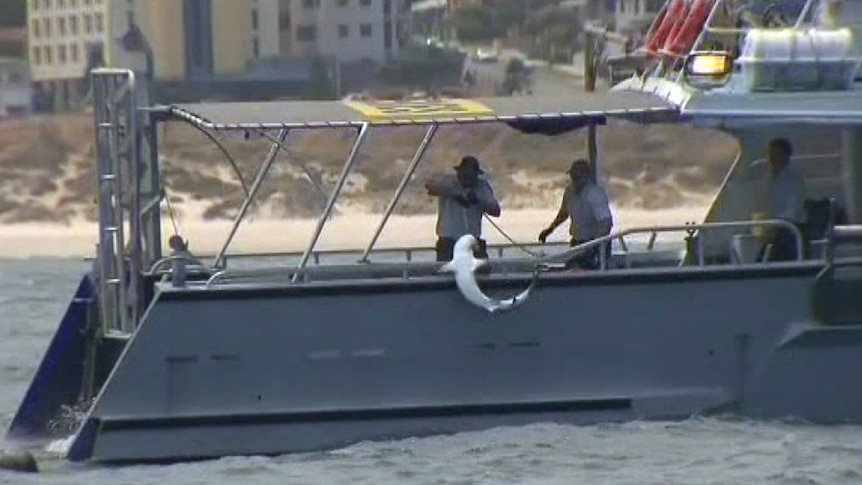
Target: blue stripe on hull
(58, 380)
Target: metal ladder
(115, 112)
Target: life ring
(684, 39)
(668, 19)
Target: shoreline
(352, 230)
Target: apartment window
(47, 5)
(343, 31)
(284, 21)
(61, 54)
(306, 33)
(46, 54)
(310, 3)
(255, 48)
(61, 26)
(365, 30)
(99, 23)
(73, 50)
(365, 3)
(387, 7)
(46, 27)
(61, 3)
(255, 21)
(342, 3)
(88, 24)
(35, 28)
(17, 78)
(73, 24)
(387, 35)
(198, 22)
(37, 55)
(130, 17)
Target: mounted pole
(429, 135)
(590, 87)
(255, 187)
(330, 204)
(593, 34)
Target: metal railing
(300, 275)
(690, 228)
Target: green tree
(320, 83)
(555, 30)
(474, 24)
(13, 13)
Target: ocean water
(34, 294)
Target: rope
(520, 246)
(171, 214)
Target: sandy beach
(350, 230)
(653, 175)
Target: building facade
(345, 30)
(62, 36)
(15, 91)
(196, 39)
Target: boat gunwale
(616, 277)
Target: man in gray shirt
(462, 199)
(786, 202)
(586, 205)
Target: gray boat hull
(239, 370)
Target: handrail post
(414, 163)
(345, 171)
(246, 203)
(804, 13)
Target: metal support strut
(345, 171)
(255, 187)
(417, 157)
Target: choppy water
(34, 294)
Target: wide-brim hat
(469, 163)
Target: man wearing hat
(461, 202)
(586, 205)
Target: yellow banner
(419, 108)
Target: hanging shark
(464, 265)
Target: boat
(324, 352)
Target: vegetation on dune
(47, 173)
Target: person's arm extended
(561, 216)
(484, 196)
(442, 187)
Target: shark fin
(447, 268)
